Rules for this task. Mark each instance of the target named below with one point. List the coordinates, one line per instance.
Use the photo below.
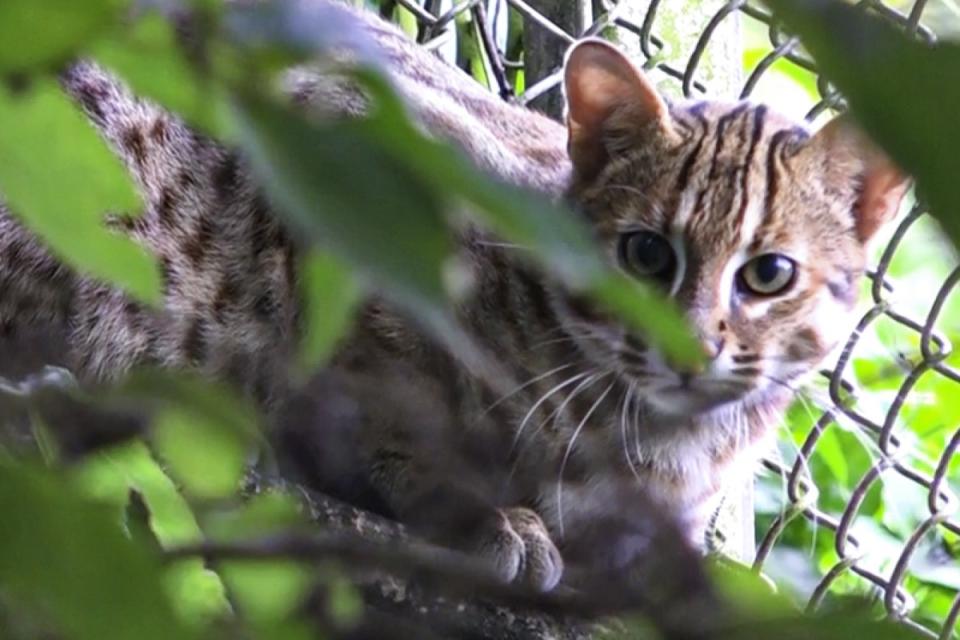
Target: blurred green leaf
(151, 60)
(363, 204)
(407, 21)
(840, 626)
(261, 516)
(59, 549)
(344, 603)
(209, 400)
(60, 179)
(108, 476)
(203, 430)
(37, 33)
(266, 590)
(196, 593)
(902, 92)
(207, 456)
(330, 298)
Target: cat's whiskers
(781, 382)
(637, 409)
(541, 400)
(566, 455)
(500, 245)
(591, 378)
(544, 343)
(555, 415)
(526, 384)
(629, 396)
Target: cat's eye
(647, 254)
(767, 275)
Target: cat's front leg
(512, 541)
(516, 543)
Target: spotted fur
(596, 408)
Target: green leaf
(61, 191)
(211, 401)
(203, 432)
(108, 476)
(206, 456)
(196, 593)
(407, 21)
(36, 33)
(69, 555)
(330, 298)
(266, 590)
(639, 307)
(901, 91)
(366, 206)
(344, 602)
(845, 626)
(149, 58)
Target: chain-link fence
(529, 72)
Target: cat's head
(755, 227)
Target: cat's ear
(610, 103)
(848, 154)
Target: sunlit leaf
(151, 60)
(828, 627)
(59, 549)
(407, 21)
(196, 593)
(203, 430)
(203, 433)
(265, 589)
(63, 190)
(206, 456)
(35, 33)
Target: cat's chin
(677, 403)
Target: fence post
(543, 51)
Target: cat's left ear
(610, 104)
(847, 154)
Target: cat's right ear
(610, 105)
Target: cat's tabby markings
(754, 226)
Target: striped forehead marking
(741, 132)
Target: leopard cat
(756, 228)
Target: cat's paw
(519, 548)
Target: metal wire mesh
(892, 454)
